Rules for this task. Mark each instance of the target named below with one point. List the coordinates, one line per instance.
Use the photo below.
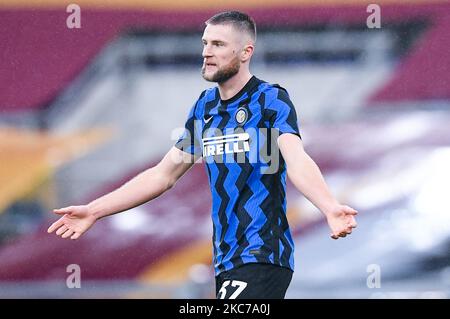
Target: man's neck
(232, 86)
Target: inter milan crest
(241, 115)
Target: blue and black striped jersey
(247, 175)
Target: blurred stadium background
(83, 110)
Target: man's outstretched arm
(144, 187)
(307, 178)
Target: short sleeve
(281, 113)
(189, 141)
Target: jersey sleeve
(281, 113)
(190, 140)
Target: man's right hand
(76, 221)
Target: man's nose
(206, 51)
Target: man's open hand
(341, 221)
(74, 223)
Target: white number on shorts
(235, 283)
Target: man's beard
(224, 73)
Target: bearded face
(220, 60)
(219, 74)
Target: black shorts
(253, 281)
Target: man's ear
(247, 52)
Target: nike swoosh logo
(207, 119)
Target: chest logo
(241, 115)
(207, 119)
(226, 144)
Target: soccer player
(246, 131)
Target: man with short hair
(246, 131)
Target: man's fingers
(55, 226)
(352, 222)
(62, 211)
(75, 236)
(61, 230)
(350, 211)
(342, 234)
(67, 234)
